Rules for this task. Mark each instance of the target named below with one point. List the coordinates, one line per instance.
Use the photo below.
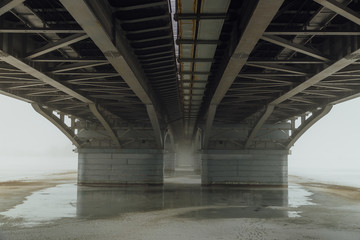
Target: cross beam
(330, 70)
(40, 30)
(56, 45)
(48, 80)
(280, 68)
(7, 5)
(295, 47)
(27, 69)
(340, 9)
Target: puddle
(46, 205)
(71, 201)
(298, 196)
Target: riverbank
(13, 193)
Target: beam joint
(95, 110)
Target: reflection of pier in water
(217, 202)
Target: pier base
(247, 167)
(120, 167)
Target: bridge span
(141, 87)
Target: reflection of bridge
(225, 86)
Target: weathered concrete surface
(114, 167)
(248, 167)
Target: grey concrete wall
(252, 167)
(114, 167)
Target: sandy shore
(13, 193)
(333, 214)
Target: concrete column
(245, 167)
(118, 167)
(169, 161)
(197, 162)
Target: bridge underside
(139, 87)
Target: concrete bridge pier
(120, 167)
(226, 160)
(244, 167)
(170, 153)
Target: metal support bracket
(305, 125)
(68, 131)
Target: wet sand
(13, 193)
(183, 212)
(351, 193)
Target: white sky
(333, 142)
(27, 138)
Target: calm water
(80, 202)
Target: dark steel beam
(151, 39)
(190, 16)
(155, 46)
(7, 5)
(76, 66)
(56, 45)
(314, 32)
(95, 77)
(330, 70)
(41, 76)
(85, 73)
(292, 61)
(40, 30)
(196, 60)
(146, 19)
(276, 67)
(141, 6)
(76, 60)
(295, 47)
(197, 41)
(340, 9)
(194, 73)
(146, 30)
(269, 75)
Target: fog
(29, 141)
(332, 143)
